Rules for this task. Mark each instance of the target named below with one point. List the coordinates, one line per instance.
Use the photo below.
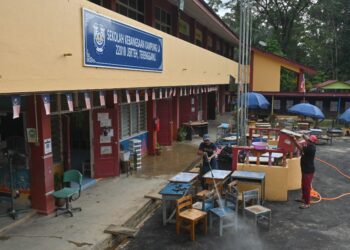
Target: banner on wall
(111, 44)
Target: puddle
(171, 161)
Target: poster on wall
(112, 44)
(333, 106)
(47, 146)
(106, 150)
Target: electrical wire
(317, 195)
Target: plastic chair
(68, 193)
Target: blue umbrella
(345, 117)
(307, 109)
(256, 101)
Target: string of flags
(160, 93)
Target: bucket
(124, 155)
(259, 145)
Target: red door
(164, 112)
(105, 143)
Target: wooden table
(170, 193)
(216, 176)
(250, 176)
(199, 127)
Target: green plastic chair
(68, 193)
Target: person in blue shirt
(207, 149)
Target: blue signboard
(111, 44)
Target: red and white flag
(102, 98)
(185, 91)
(166, 93)
(171, 92)
(87, 100)
(153, 94)
(160, 94)
(16, 105)
(180, 91)
(137, 96)
(302, 83)
(46, 101)
(69, 101)
(174, 92)
(146, 95)
(115, 96)
(127, 96)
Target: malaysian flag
(171, 92)
(302, 83)
(137, 96)
(166, 93)
(69, 101)
(46, 101)
(146, 95)
(87, 100)
(153, 94)
(160, 94)
(16, 105)
(185, 91)
(102, 98)
(127, 96)
(174, 92)
(115, 97)
(190, 90)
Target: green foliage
(289, 81)
(181, 133)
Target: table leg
(164, 212)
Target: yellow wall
(267, 73)
(294, 173)
(36, 34)
(276, 184)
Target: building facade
(79, 79)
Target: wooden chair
(185, 213)
(252, 198)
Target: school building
(79, 79)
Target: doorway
(211, 106)
(80, 142)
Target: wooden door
(105, 143)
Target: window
(133, 119)
(134, 9)
(333, 106)
(184, 28)
(210, 42)
(162, 20)
(199, 37)
(277, 104)
(289, 103)
(319, 104)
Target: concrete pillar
(152, 133)
(41, 164)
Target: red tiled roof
(322, 84)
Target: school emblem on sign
(99, 37)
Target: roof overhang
(284, 60)
(204, 15)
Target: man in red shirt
(308, 152)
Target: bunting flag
(153, 94)
(190, 90)
(202, 89)
(102, 98)
(69, 101)
(87, 100)
(16, 105)
(185, 91)
(180, 91)
(115, 96)
(127, 96)
(166, 93)
(146, 95)
(160, 94)
(302, 83)
(174, 92)
(137, 96)
(46, 101)
(171, 92)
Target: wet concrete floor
(325, 225)
(172, 160)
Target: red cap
(313, 138)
